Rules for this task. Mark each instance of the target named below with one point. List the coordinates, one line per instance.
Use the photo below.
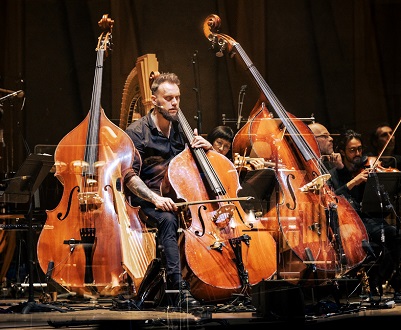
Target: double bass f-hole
(291, 190)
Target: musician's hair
(164, 77)
(374, 137)
(222, 132)
(347, 136)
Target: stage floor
(276, 309)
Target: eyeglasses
(219, 144)
(354, 150)
(385, 134)
(324, 136)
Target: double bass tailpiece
(316, 184)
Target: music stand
(381, 190)
(20, 189)
(258, 184)
(376, 184)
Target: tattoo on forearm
(139, 188)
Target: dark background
(336, 60)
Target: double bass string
(204, 162)
(209, 171)
(304, 147)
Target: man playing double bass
(158, 139)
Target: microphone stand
(198, 117)
(395, 281)
(241, 97)
(21, 188)
(383, 196)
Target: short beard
(166, 114)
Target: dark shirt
(155, 149)
(339, 179)
(328, 165)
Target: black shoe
(185, 300)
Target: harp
(136, 100)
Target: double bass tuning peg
(218, 45)
(223, 46)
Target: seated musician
(382, 135)
(221, 138)
(158, 139)
(349, 181)
(324, 140)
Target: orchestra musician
(350, 182)
(382, 135)
(324, 140)
(158, 138)
(221, 138)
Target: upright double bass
(224, 250)
(323, 230)
(94, 237)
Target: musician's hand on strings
(257, 163)
(200, 142)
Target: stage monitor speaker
(278, 303)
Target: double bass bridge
(223, 215)
(89, 201)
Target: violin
(244, 162)
(373, 164)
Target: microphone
(239, 121)
(310, 258)
(163, 108)
(22, 178)
(50, 267)
(240, 103)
